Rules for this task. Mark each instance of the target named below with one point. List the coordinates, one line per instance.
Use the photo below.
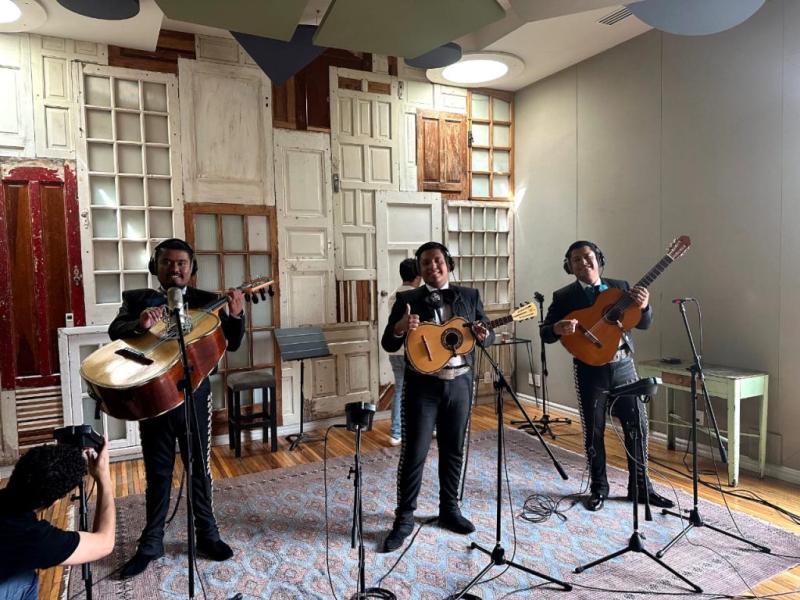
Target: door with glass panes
(235, 244)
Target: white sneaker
(393, 441)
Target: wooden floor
(128, 478)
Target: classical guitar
(136, 378)
(431, 345)
(601, 326)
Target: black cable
(325, 488)
(406, 549)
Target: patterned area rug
(275, 522)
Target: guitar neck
(499, 322)
(657, 270)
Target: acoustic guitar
(601, 326)
(431, 345)
(137, 378)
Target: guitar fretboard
(499, 322)
(648, 278)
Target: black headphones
(171, 244)
(451, 264)
(601, 259)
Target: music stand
(300, 343)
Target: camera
(80, 436)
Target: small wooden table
(734, 385)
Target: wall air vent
(616, 16)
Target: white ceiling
(549, 35)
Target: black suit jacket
(134, 302)
(572, 297)
(466, 303)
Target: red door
(40, 270)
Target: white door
(365, 143)
(305, 228)
(405, 220)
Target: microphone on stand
(682, 300)
(175, 301)
(538, 297)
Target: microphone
(682, 300)
(175, 302)
(538, 297)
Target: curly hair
(45, 474)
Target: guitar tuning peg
(263, 294)
(247, 297)
(270, 291)
(255, 298)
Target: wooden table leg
(762, 431)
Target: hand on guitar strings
(480, 331)
(235, 302)
(151, 316)
(565, 327)
(409, 322)
(640, 296)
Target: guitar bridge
(590, 336)
(134, 355)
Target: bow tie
(593, 291)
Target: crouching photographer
(43, 476)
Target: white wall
(666, 135)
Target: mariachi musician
(585, 261)
(441, 400)
(173, 263)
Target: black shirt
(26, 543)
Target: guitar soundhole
(451, 339)
(613, 314)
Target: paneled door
(305, 227)
(41, 282)
(405, 220)
(365, 156)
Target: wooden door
(442, 154)
(41, 282)
(406, 220)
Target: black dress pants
(158, 437)
(429, 401)
(591, 384)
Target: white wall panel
(226, 125)
(16, 99)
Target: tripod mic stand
(359, 418)
(185, 384)
(497, 554)
(86, 569)
(635, 541)
(544, 422)
(695, 520)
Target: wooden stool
(267, 418)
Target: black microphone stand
(357, 531)
(497, 554)
(185, 385)
(543, 423)
(86, 570)
(635, 543)
(695, 520)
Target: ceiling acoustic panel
(406, 28)
(266, 18)
(280, 60)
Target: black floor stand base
(374, 592)
(635, 545)
(543, 424)
(497, 558)
(695, 520)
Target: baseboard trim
(746, 463)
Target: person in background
(411, 279)
(43, 476)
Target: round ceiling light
(478, 68)
(20, 15)
(9, 12)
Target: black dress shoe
(595, 501)
(214, 549)
(655, 499)
(456, 522)
(137, 564)
(400, 531)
